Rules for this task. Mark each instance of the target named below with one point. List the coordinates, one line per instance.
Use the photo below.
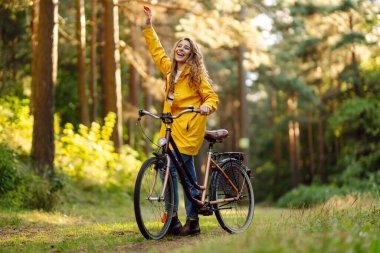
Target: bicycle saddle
(216, 135)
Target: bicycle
(230, 193)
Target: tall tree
(294, 132)
(93, 60)
(43, 83)
(133, 86)
(81, 60)
(148, 102)
(35, 15)
(111, 68)
(243, 140)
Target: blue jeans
(191, 208)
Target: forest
(299, 92)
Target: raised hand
(148, 14)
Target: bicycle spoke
(149, 206)
(234, 216)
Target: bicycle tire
(236, 216)
(150, 213)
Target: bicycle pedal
(205, 212)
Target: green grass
(344, 224)
(103, 222)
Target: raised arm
(158, 53)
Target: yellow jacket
(188, 130)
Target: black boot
(175, 226)
(191, 228)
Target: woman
(187, 84)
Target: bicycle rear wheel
(153, 213)
(235, 216)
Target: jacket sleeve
(209, 97)
(158, 53)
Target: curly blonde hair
(195, 61)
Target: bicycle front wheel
(235, 216)
(153, 210)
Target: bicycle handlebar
(142, 112)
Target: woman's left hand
(205, 110)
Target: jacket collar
(186, 70)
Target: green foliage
(14, 5)
(8, 173)
(307, 8)
(16, 124)
(356, 113)
(89, 158)
(359, 158)
(20, 186)
(342, 225)
(307, 196)
(350, 38)
(308, 48)
(15, 49)
(32, 192)
(86, 157)
(39, 193)
(312, 195)
(350, 74)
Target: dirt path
(169, 243)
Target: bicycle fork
(161, 197)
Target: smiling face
(182, 51)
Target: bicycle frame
(229, 195)
(176, 158)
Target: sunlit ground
(341, 225)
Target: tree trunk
(112, 78)
(311, 150)
(43, 83)
(35, 15)
(293, 129)
(148, 102)
(277, 136)
(93, 59)
(321, 151)
(354, 61)
(297, 152)
(81, 64)
(13, 60)
(2, 59)
(243, 136)
(133, 80)
(277, 145)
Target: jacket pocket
(191, 122)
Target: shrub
(85, 156)
(9, 178)
(16, 124)
(38, 193)
(21, 187)
(88, 156)
(307, 196)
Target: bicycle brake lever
(141, 113)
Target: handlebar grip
(194, 109)
(141, 112)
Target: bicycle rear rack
(237, 156)
(223, 155)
